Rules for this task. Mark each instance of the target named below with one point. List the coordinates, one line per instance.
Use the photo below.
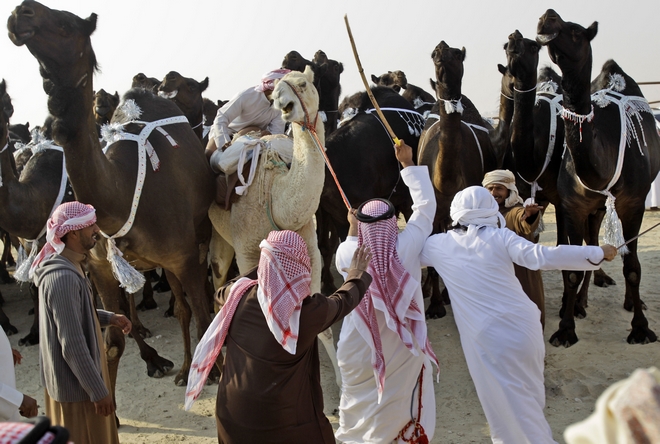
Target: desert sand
(151, 410)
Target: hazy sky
(235, 42)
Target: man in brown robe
(270, 388)
(522, 220)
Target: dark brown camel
(456, 147)
(420, 99)
(104, 106)
(171, 227)
(140, 80)
(186, 93)
(594, 130)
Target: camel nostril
(28, 12)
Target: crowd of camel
(571, 141)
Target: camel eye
(303, 85)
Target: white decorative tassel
(453, 106)
(613, 229)
(24, 262)
(549, 86)
(576, 118)
(617, 82)
(128, 277)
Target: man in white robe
(499, 325)
(383, 350)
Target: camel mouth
(20, 38)
(168, 95)
(286, 109)
(102, 110)
(544, 39)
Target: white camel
(279, 197)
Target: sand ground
(151, 410)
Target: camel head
(296, 96)
(142, 81)
(59, 40)
(507, 81)
(185, 92)
(295, 62)
(104, 106)
(569, 44)
(210, 109)
(522, 57)
(448, 71)
(394, 79)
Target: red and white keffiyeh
(268, 79)
(284, 278)
(69, 216)
(391, 292)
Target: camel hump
(610, 76)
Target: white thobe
(361, 418)
(10, 398)
(499, 325)
(247, 108)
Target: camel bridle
(305, 125)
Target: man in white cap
(384, 355)
(522, 220)
(270, 388)
(12, 402)
(74, 371)
(498, 324)
(249, 110)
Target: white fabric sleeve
(225, 115)
(344, 254)
(10, 400)
(561, 257)
(277, 125)
(418, 228)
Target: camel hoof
(169, 312)
(180, 381)
(580, 312)
(145, 305)
(31, 339)
(564, 337)
(159, 367)
(601, 279)
(143, 331)
(10, 330)
(436, 311)
(641, 335)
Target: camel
(186, 93)
(613, 152)
(456, 146)
(20, 132)
(140, 80)
(362, 155)
(326, 80)
(420, 99)
(174, 236)
(104, 106)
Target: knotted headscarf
(474, 207)
(391, 292)
(69, 216)
(284, 278)
(506, 179)
(268, 79)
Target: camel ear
(90, 24)
(501, 68)
(375, 79)
(592, 31)
(433, 84)
(203, 85)
(116, 96)
(309, 73)
(463, 52)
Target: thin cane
(396, 140)
(625, 243)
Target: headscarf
(628, 411)
(474, 208)
(391, 292)
(284, 278)
(268, 79)
(69, 216)
(506, 179)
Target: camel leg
(6, 325)
(436, 308)
(221, 254)
(33, 337)
(148, 301)
(328, 240)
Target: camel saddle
(225, 187)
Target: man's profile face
(499, 192)
(88, 236)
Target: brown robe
(531, 280)
(266, 394)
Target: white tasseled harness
(629, 107)
(130, 278)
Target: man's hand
(531, 210)
(404, 154)
(105, 406)
(29, 407)
(16, 355)
(609, 252)
(353, 222)
(121, 321)
(361, 258)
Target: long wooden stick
(396, 140)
